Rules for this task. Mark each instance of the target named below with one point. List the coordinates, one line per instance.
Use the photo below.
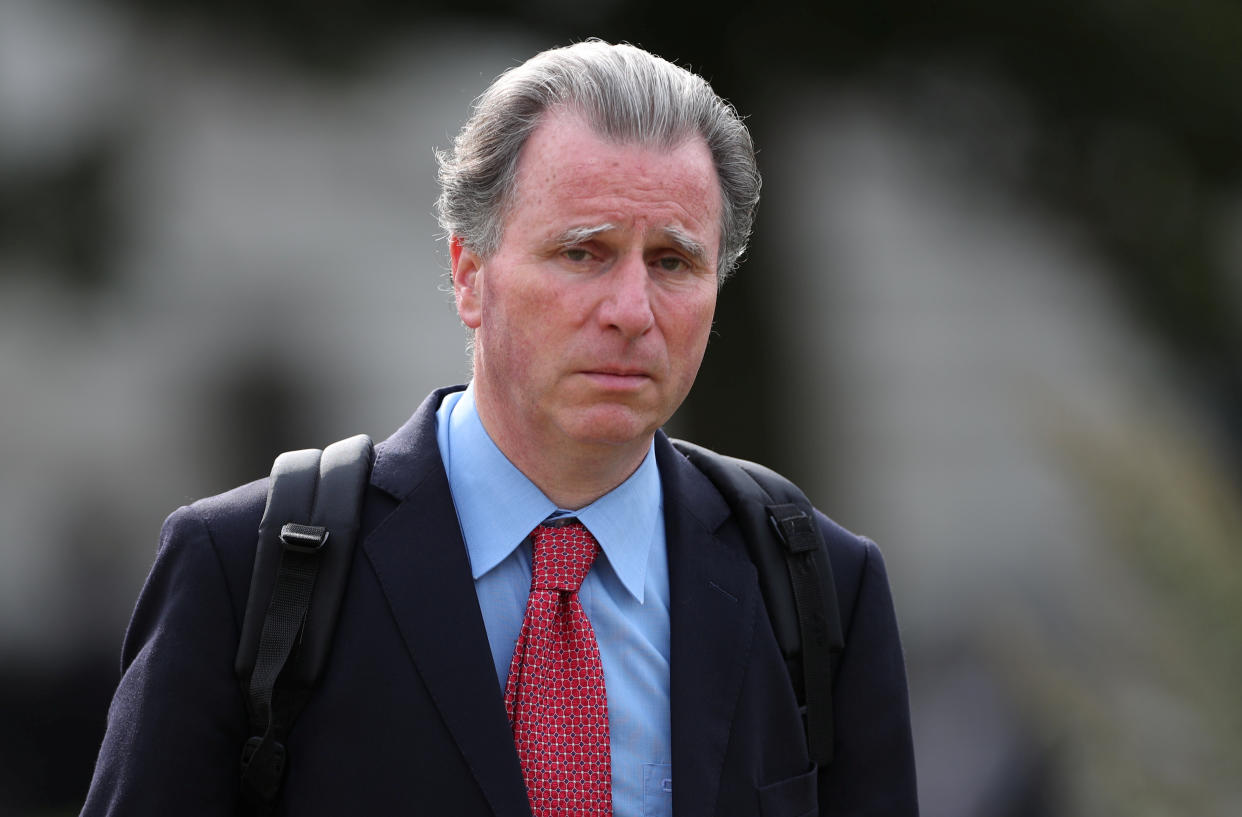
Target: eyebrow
(686, 243)
(577, 235)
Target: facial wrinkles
(639, 233)
(593, 185)
(657, 209)
(647, 235)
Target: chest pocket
(793, 797)
(657, 790)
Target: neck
(574, 482)
(571, 473)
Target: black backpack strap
(795, 575)
(305, 548)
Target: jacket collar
(411, 454)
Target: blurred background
(991, 317)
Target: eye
(672, 263)
(576, 254)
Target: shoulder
(851, 553)
(212, 539)
(744, 490)
(223, 516)
(744, 485)
(858, 569)
(228, 521)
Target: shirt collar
(498, 506)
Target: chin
(612, 426)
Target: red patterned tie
(555, 693)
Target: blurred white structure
(998, 424)
(271, 222)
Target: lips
(617, 378)
(618, 371)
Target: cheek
(690, 329)
(699, 314)
(517, 325)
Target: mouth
(618, 378)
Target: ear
(467, 266)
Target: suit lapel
(423, 569)
(714, 597)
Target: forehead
(567, 172)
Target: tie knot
(562, 556)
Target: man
(594, 202)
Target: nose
(626, 306)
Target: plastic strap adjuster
(263, 767)
(794, 527)
(303, 538)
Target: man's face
(593, 314)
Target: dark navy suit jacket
(408, 718)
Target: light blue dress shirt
(625, 595)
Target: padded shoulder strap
(795, 575)
(302, 560)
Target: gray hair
(627, 95)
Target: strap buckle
(303, 538)
(794, 527)
(263, 767)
